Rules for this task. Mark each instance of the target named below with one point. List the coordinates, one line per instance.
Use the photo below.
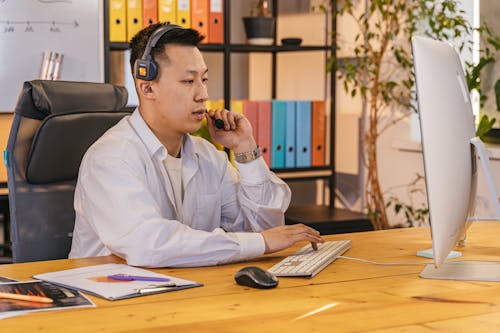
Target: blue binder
(290, 136)
(303, 133)
(278, 123)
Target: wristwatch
(248, 156)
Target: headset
(146, 68)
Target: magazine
(62, 298)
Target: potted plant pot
(259, 30)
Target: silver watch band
(248, 156)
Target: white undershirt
(173, 165)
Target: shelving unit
(326, 218)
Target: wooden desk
(355, 296)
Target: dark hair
(181, 36)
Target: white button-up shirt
(125, 204)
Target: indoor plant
(260, 25)
(382, 72)
(489, 53)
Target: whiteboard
(30, 27)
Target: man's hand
(237, 133)
(282, 237)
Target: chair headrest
(40, 98)
(61, 142)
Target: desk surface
(348, 296)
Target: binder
(199, 17)
(167, 11)
(264, 129)
(134, 18)
(290, 134)
(184, 13)
(303, 134)
(250, 111)
(117, 21)
(216, 22)
(149, 12)
(215, 104)
(318, 137)
(278, 123)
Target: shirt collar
(152, 143)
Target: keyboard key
(307, 263)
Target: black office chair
(54, 124)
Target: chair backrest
(54, 124)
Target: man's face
(180, 92)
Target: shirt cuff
(251, 244)
(254, 172)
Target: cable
(385, 263)
(413, 263)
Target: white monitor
(448, 143)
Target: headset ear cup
(153, 70)
(145, 69)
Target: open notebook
(95, 280)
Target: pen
(125, 277)
(219, 123)
(154, 290)
(29, 298)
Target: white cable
(385, 263)
(412, 263)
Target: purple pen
(125, 277)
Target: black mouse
(255, 277)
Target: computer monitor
(449, 144)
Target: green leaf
(485, 124)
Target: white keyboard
(306, 262)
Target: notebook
(95, 280)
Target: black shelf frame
(241, 48)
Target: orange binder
(117, 21)
(250, 111)
(184, 13)
(264, 129)
(149, 12)
(318, 133)
(216, 22)
(134, 17)
(167, 11)
(199, 17)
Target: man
(152, 194)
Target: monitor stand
(463, 270)
(471, 270)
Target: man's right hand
(282, 237)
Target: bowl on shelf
(259, 30)
(291, 41)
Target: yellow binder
(134, 17)
(167, 11)
(184, 13)
(117, 21)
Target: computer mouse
(255, 277)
